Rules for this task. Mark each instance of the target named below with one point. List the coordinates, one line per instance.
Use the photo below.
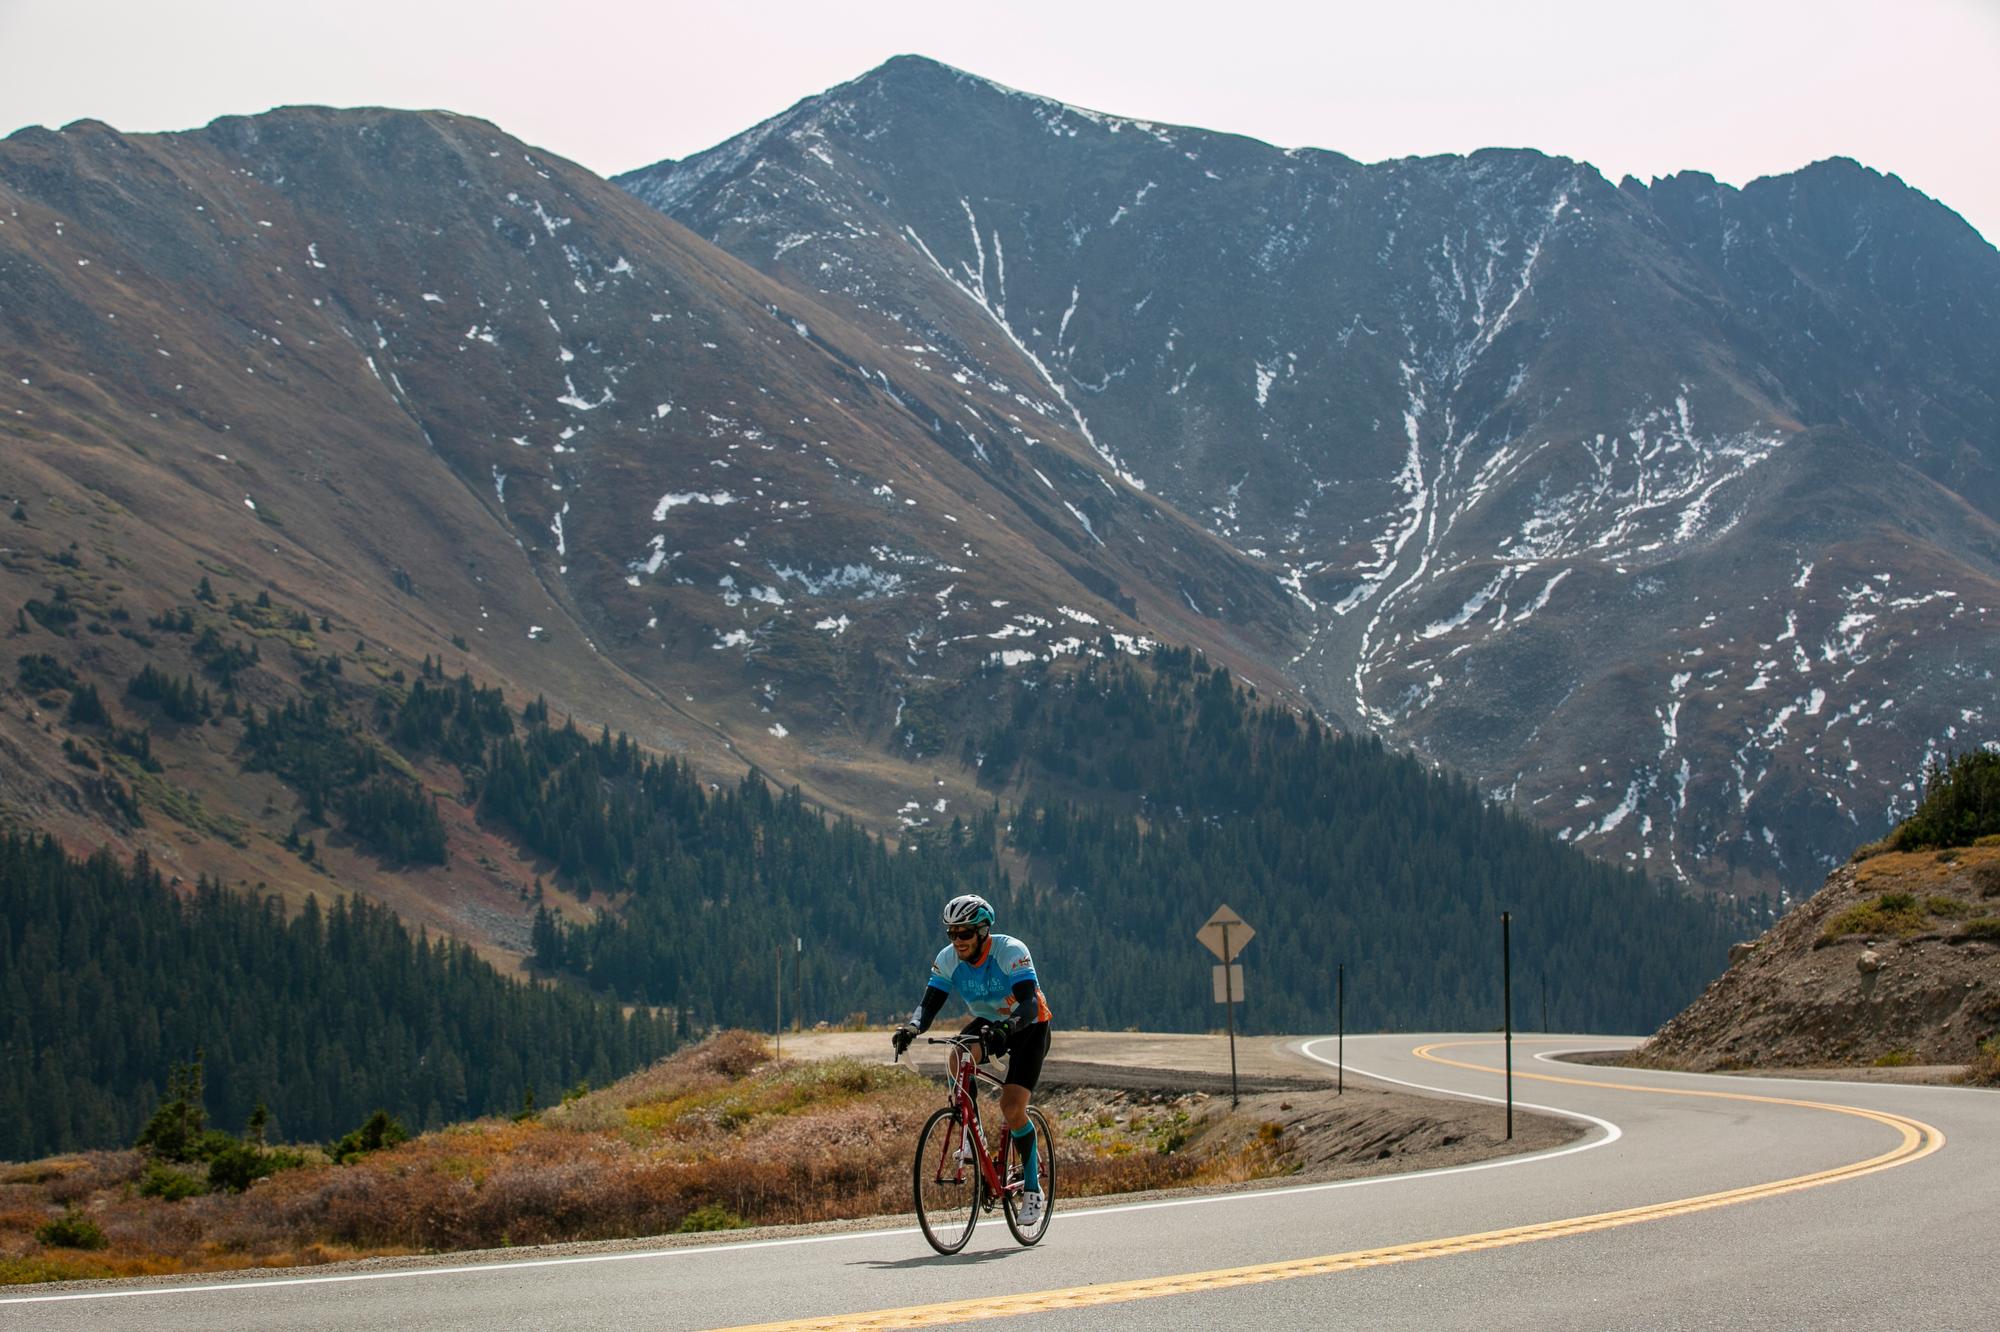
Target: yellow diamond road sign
(1238, 933)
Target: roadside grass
(715, 1137)
(1984, 1070)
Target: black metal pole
(1545, 1005)
(1507, 1010)
(1340, 1009)
(1229, 996)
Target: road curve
(1692, 1202)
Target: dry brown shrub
(100, 1170)
(719, 1126)
(732, 1054)
(1082, 1173)
(22, 1218)
(36, 1172)
(1984, 1070)
(137, 1225)
(706, 1068)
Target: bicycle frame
(964, 1075)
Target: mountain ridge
(431, 391)
(1579, 385)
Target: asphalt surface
(1693, 1202)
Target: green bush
(713, 1216)
(55, 614)
(381, 1130)
(241, 1164)
(1892, 915)
(86, 708)
(40, 673)
(1961, 803)
(1986, 927)
(175, 1131)
(71, 1230)
(162, 1181)
(1984, 1070)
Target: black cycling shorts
(1025, 1052)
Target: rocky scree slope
(1666, 510)
(1896, 960)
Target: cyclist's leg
(1024, 1070)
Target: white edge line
(515, 1265)
(1611, 1134)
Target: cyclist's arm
(926, 1012)
(1027, 1012)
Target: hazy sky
(1739, 89)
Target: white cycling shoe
(1028, 1211)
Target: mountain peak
(921, 70)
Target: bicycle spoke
(947, 1188)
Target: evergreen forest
(109, 978)
(1129, 802)
(1122, 802)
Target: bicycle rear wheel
(947, 1189)
(1045, 1161)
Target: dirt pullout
(1144, 1089)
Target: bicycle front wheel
(1045, 1172)
(947, 1187)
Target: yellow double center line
(1918, 1140)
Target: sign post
(1507, 1009)
(1340, 1026)
(1224, 934)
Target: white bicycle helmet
(969, 909)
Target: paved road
(1693, 1202)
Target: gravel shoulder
(1910, 1075)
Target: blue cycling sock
(1031, 1165)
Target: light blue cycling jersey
(988, 986)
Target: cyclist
(995, 976)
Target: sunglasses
(963, 932)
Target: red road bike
(956, 1177)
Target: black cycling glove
(1027, 1011)
(920, 1020)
